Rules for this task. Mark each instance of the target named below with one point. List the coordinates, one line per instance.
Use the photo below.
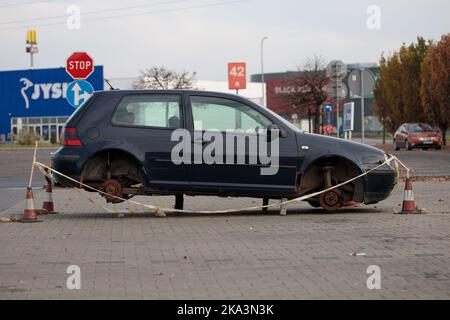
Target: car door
(399, 138)
(242, 167)
(147, 122)
(403, 135)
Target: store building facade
(278, 84)
(35, 100)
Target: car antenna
(109, 84)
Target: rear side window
(157, 111)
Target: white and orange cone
(48, 205)
(29, 214)
(409, 204)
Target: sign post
(79, 66)
(336, 71)
(361, 82)
(32, 45)
(237, 76)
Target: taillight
(70, 138)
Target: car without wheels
(122, 143)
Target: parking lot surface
(308, 254)
(305, 255)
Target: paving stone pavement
(305, 255)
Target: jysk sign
(39, 93)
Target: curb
(426, 178)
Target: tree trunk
(309, 120)
(444, 134)
(316, 123)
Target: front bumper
(378, 184)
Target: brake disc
(331, 200)
(113, 188)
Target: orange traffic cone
(409, 204)
(29, 214)
(48, 202)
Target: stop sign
(79, 65)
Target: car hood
(321, 146)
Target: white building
(253, 91)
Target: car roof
(167, 91)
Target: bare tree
(309, 94)
(162, 78)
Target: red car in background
(417, 135)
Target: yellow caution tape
(46, 169)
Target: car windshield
(418, 128)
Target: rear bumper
(378, 185)
(67, 162)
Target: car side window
(214, 113)
(159, 111)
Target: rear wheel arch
(121, 163)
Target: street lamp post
(337, 99)
(362, 106)
(262, 70)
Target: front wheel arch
(312, 179)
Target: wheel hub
(113, 189)
(331, 200)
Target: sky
(204, 35)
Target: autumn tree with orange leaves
(435, 84)
(397, 91)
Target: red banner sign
(237, 76)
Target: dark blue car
(177, 142)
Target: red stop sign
(79, 65)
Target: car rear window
(149, 110)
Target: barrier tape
(46, 169)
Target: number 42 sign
(237, 76)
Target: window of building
(34, 120)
